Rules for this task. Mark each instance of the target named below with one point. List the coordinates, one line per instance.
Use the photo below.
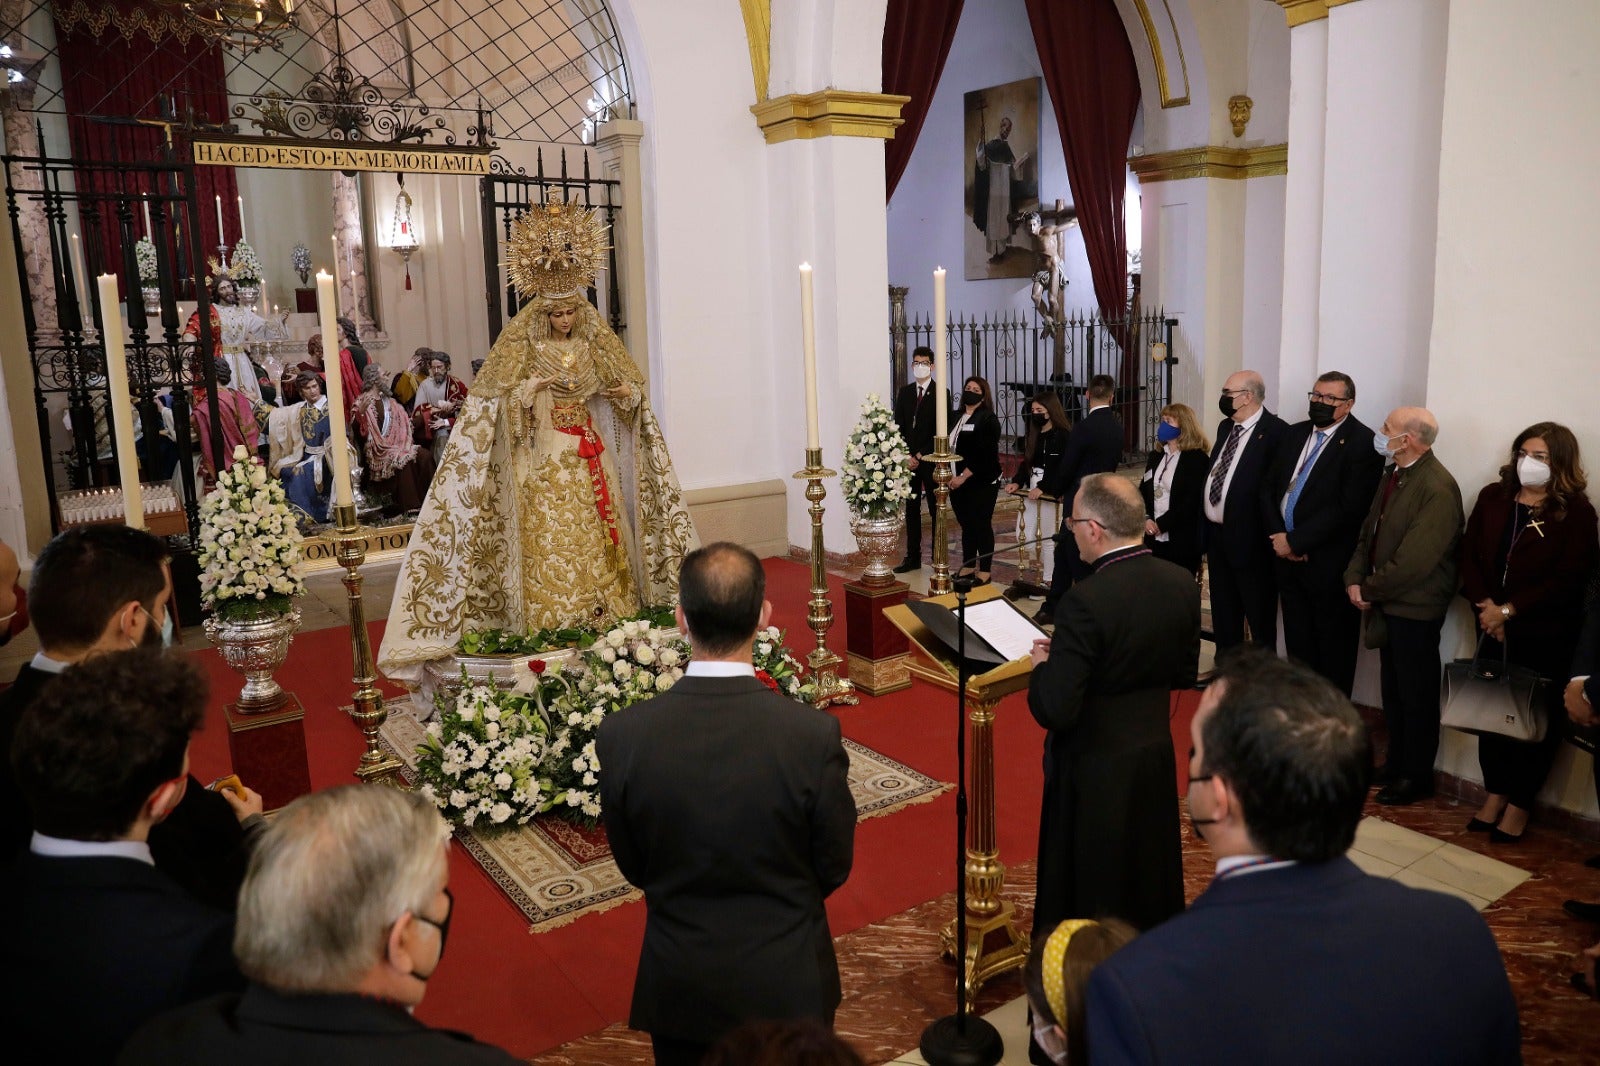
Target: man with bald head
(1403, 577)
(729, 805)
(1125, 637)
(1239, 553)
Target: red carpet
(531, 993)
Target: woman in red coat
(1526, 558)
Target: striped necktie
(1300, 481)
(1219, 475)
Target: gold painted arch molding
(758, 32)
(1162, 34)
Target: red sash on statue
(590, 447)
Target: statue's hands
(529, 388)
(617, 392)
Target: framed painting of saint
(1001, 178)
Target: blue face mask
(1166, 433)
(1384, 446)
(166, 626)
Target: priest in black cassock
(1125, 637)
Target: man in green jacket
(1403, 577)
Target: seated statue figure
(555, 503)
(301, 436)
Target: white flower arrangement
(246, 268)
(876, 479)
(300, 259)
(499, 756)
(249, 544)
(482, 758)
(144, 253)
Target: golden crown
(556, 249)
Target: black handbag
(1493, 699)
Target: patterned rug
(555, 871)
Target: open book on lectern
(997, 633)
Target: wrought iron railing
(1021, 355)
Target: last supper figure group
(555, 503)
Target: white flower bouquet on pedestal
(144, 254)
(249, 544)
(876, 479)
(246, 269)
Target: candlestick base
(944, 465)
(827, 687)
(367, 709)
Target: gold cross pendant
(1537, 525)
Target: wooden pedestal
(877, 652)
(269, 751)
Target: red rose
(766, 679)
(536, 665)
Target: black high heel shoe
(1478, 825)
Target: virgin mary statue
(555, 503)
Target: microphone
(1053, 538)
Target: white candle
(120, 402)
(148, 232)
(221, 238)
(261, 295)
(327, 309)
(941, 371)
(77, 274)
(242, 235)
(808, 344)
(335, 264)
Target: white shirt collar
(44, 664)
(1250, 423)
(699, 668)
(57, 848)
(1097, 406)
(1249, 864)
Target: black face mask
(1321, 414)
(444, 934)
(972, 399)
(1040, 420)
(1225, 404)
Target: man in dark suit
(1293, 954)
(1315, 497)
(343, 919)
(1582, 699)
(728, 805)
(1238, 554)
(100, 940)
(1093, 447)
(98, 589)
(915, 409)
(1125, 637)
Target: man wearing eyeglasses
(1238, 554)
(343, 920)
(1316, 495)
(1293, 954)
(1126, 636)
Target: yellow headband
(1055, 954)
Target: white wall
(1517, 226)
(927, 221)
(1386, 86)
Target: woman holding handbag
(1530, 545)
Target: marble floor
(895, 984)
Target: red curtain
(916, 42)
(114, 77)
(1094, 86)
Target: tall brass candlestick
(830, 687)
(367, 707)
(944, 468)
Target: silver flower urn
(879, 540)
(256, 648)
(248, 294)
(152, 299)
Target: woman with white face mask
(1525, 562)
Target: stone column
(618, 147)
(22, 139)
(1302, 215)
(1385, 114)
(351, 269)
